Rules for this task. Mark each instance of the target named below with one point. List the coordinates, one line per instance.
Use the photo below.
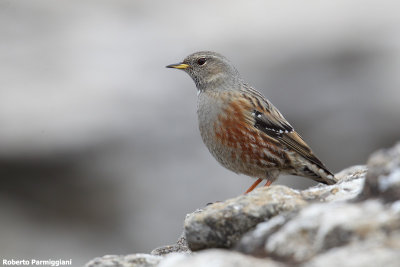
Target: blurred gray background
(99, 147)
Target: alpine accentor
(242, 129)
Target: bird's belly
(241, 155)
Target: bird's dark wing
(270, 121)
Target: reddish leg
(268, 183)
(253, 185)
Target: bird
(242, 129)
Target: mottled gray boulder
(383, 179)
(220, 225)
(133, 260)
(217, 258)
(323, 226)
(361, 254)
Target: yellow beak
(181, 66)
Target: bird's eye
(201, 61)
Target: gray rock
(365, 254)
(133, 260)
(253, 242)
(349, 185)
(323, 226)
(383, 179)
(220, 225)
(216, 258)
(180, 246)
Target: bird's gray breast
(210, 107)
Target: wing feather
(270, 121)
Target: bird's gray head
(209, 71)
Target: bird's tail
(316, 172)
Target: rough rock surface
(355, 222)
(133, 260)
(349, 185)
(217, 257)
(383, 179)
(220, 225)
(365, 254)
(180, 246)
(320, 227)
